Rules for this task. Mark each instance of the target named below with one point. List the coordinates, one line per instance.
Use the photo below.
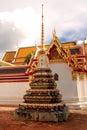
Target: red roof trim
(19, 80)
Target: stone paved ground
(77, 121)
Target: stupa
(43, 101)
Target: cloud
(25, 20)
(68, 17)
(9, 36)
(20, 23)
(19, 27)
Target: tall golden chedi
(42, 102)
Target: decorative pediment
(54, 55)
(55, 43)
(54, 51)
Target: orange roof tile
(68, 44)
(9, 56)
(23, 52)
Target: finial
(85, 38)
(35, 44)
(54, 32)
(42, 31)
(76, 40)
(42, 10)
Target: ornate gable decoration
(55, 41)
(55, 55)
(55, 50)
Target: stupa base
(52, 116)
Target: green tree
(27, 59)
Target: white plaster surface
(73, 92)
(12, 93)
(67, 86)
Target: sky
(20, 22)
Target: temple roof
(23, 52)
(9, 56)
(68, 44)
(4, 63)
(68, 52)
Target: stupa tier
(42, 102)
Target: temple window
(56, 76)
(75, 51)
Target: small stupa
(42, 102)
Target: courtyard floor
(77, 121)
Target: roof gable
(9, 56)
(24, 52)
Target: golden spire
(54, 33)
(42, 31)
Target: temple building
(68, 61)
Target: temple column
(80, 87)
(85, 86)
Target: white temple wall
(12, 93)
(85, 86)
(82, 91)
(67, 86)
(74, 92)
(80, 88)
